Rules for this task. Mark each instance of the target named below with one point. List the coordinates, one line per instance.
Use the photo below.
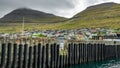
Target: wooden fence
(49, 56)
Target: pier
(50, 55)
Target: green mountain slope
(106, 15)
(103, 15)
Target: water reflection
(103, 64)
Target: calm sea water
(103, 64)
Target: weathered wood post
(66, 61)
(98, 49)
(104, 47)
(74, 54)
(84, 52)
(51, 56)
(106, 52)
(20, 56)
(60, 65)
(15, 55)
(25, 57)
(96, 52)
(3, 55)
(57, 60)
(68, 54)
(77, 53)
(79, 58)
(47, 56)
(116, 51)
(88, 52)
(39, 55)
(30, 59)
(43, 57)
(63, 61)
(92, 50)
(102, 52)
(113, 52)
(35, 56)
(55, 54)
(9, 55)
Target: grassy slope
(99, 17)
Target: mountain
(105, 15)
(31, 16)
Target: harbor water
(102, 64)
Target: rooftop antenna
(23, 26)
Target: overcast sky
(65, 8)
